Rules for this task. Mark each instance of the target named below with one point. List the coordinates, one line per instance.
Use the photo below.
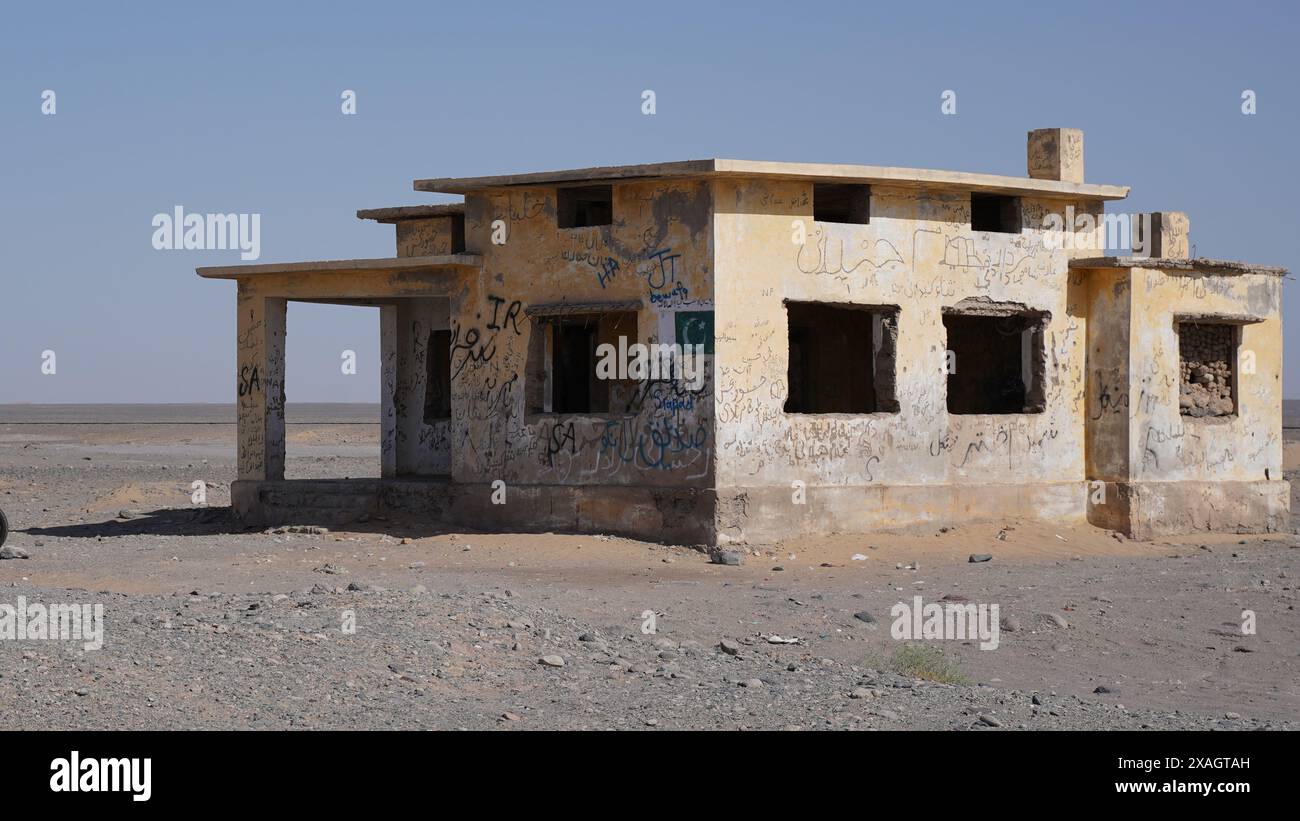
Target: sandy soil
(212, 625)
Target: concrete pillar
(1056, 154)
(1170, 235)
(388, 390)
(260, 384)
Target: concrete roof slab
(830, 172)
(385, 265)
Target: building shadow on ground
(219, 521)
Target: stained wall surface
(1167, 446)
(654, 259)
(918, 253)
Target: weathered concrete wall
(1167, 446)
(422, 448)
(920, 254)
(656, 254)
(432, 236)
(1110, 317)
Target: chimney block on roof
(1170, 238)
(1056, 154)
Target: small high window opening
(562, 376)
(842, 358)
(842, 202)
(1207, 368)
(584, 206)
(996, 363)
(458, 233)
(994, 212)
(437, 385)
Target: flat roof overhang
(342, 279)
(1176, 265)
(817, 172)
(352, 266)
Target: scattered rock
(864, 615)
(13, 552)
(1055, 620)
(731, 558)
(976, 558)
(551, 661)
(729, 647)
(989, 721)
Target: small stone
(419, 590)
(989, 720)
(731, 558)
(1011, 624)
(976, 558)
(1056, 619)
(1036, 700)
(587, 637)
(729, 647)
(510, 717)
(778, 569)
(13, 552)
(1232, 716)
(863, 615)
(1103, 690)
(860, 692)
(752, 683)
(551, 661)
(126, 514)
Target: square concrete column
(388, 390)
(260, 384)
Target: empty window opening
(584, 206)
(842, 358)
(996, 364)
(458, 233)
(994, 212)
(1207, 358)
(437, 385)
(563, 358)
(842, 202)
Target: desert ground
(211, 625)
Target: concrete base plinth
(670, 515)
(767, 514)
(1141, 510)
(1145, 510)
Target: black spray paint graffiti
(473, 345)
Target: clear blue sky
(234, 107)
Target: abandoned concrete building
(881, 347)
